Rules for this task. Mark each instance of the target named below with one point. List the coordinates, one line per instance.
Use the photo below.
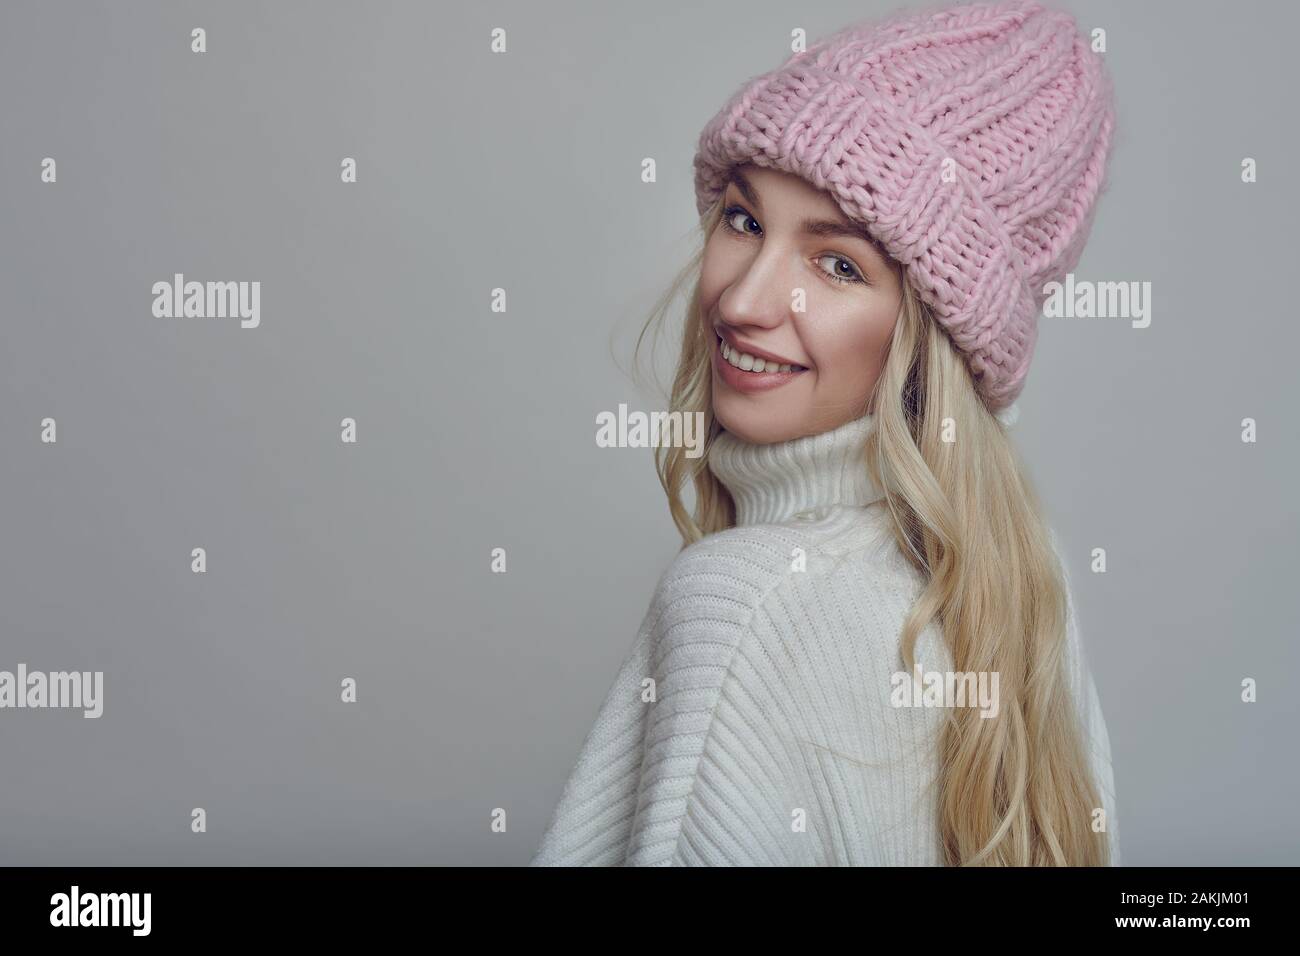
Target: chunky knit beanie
(971, 141)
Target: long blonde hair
(1015, 789)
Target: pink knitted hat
(971, 141)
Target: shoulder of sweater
(744, 565)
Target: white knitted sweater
(771, 738)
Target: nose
(760, 295)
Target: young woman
(866, 651)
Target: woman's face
(788, 280)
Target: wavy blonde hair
(1015, 789)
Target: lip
(767, 356)
(749, 382)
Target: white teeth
(748, 363)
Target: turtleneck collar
(774, 482)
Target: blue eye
(733, 215)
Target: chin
(754, 425)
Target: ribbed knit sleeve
(636, 773)
(592, 823)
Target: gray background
(476, 429)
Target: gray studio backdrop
(475, 429)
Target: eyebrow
(824, 228)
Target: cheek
(714, 274)
(847, 344)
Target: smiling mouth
(751, 363)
